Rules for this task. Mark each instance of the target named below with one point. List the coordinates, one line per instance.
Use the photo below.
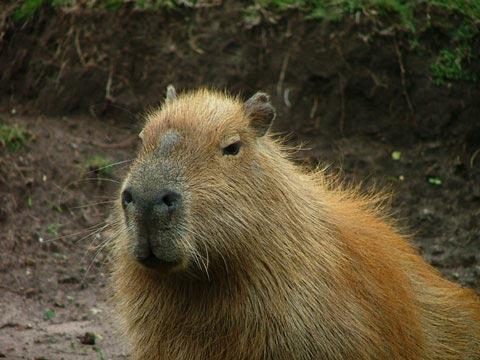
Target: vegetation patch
(48, 314)
(449, 65)
(28, 8)
(54, 229)
(404, 10)
(100, 165)
(316, 9)
(13, 137)
(452, 62)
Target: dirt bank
(364, 74)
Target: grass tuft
(14, 137)
(449, 65)
(28, 8)
(100, 165)
(314, 9)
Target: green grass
(99, 351)
(468, 8)
(316, 9)
(146, 4)
(449, 65)
(53, 229)
(100, 165)
(451, 61)
(28, 8)
(14, 137)
(335, 10)
(402, 9)
(48, 314)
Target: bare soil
(53, 273)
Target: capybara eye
(232, 149)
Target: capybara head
(198, 187)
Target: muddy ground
(357, 93)
(53, 273)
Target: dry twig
(283, 70)
(79, 49)
(402, 75)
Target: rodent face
(196, 168)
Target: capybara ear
(171, 93)
(260, 112)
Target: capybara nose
(160, 204)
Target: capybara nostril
(127, 197)
(171, 200)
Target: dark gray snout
(164, 204)
(154, 218)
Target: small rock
(3, 215)
(69, 280)
(29, 181)
(59, 303)
(30, 262)
(95, 311)
(31, 292)
(426, 211)
(88, 338)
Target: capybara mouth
(165, 255)
(153, 262)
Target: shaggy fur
(279, 263)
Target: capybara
(226, 249)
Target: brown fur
(280, 263)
